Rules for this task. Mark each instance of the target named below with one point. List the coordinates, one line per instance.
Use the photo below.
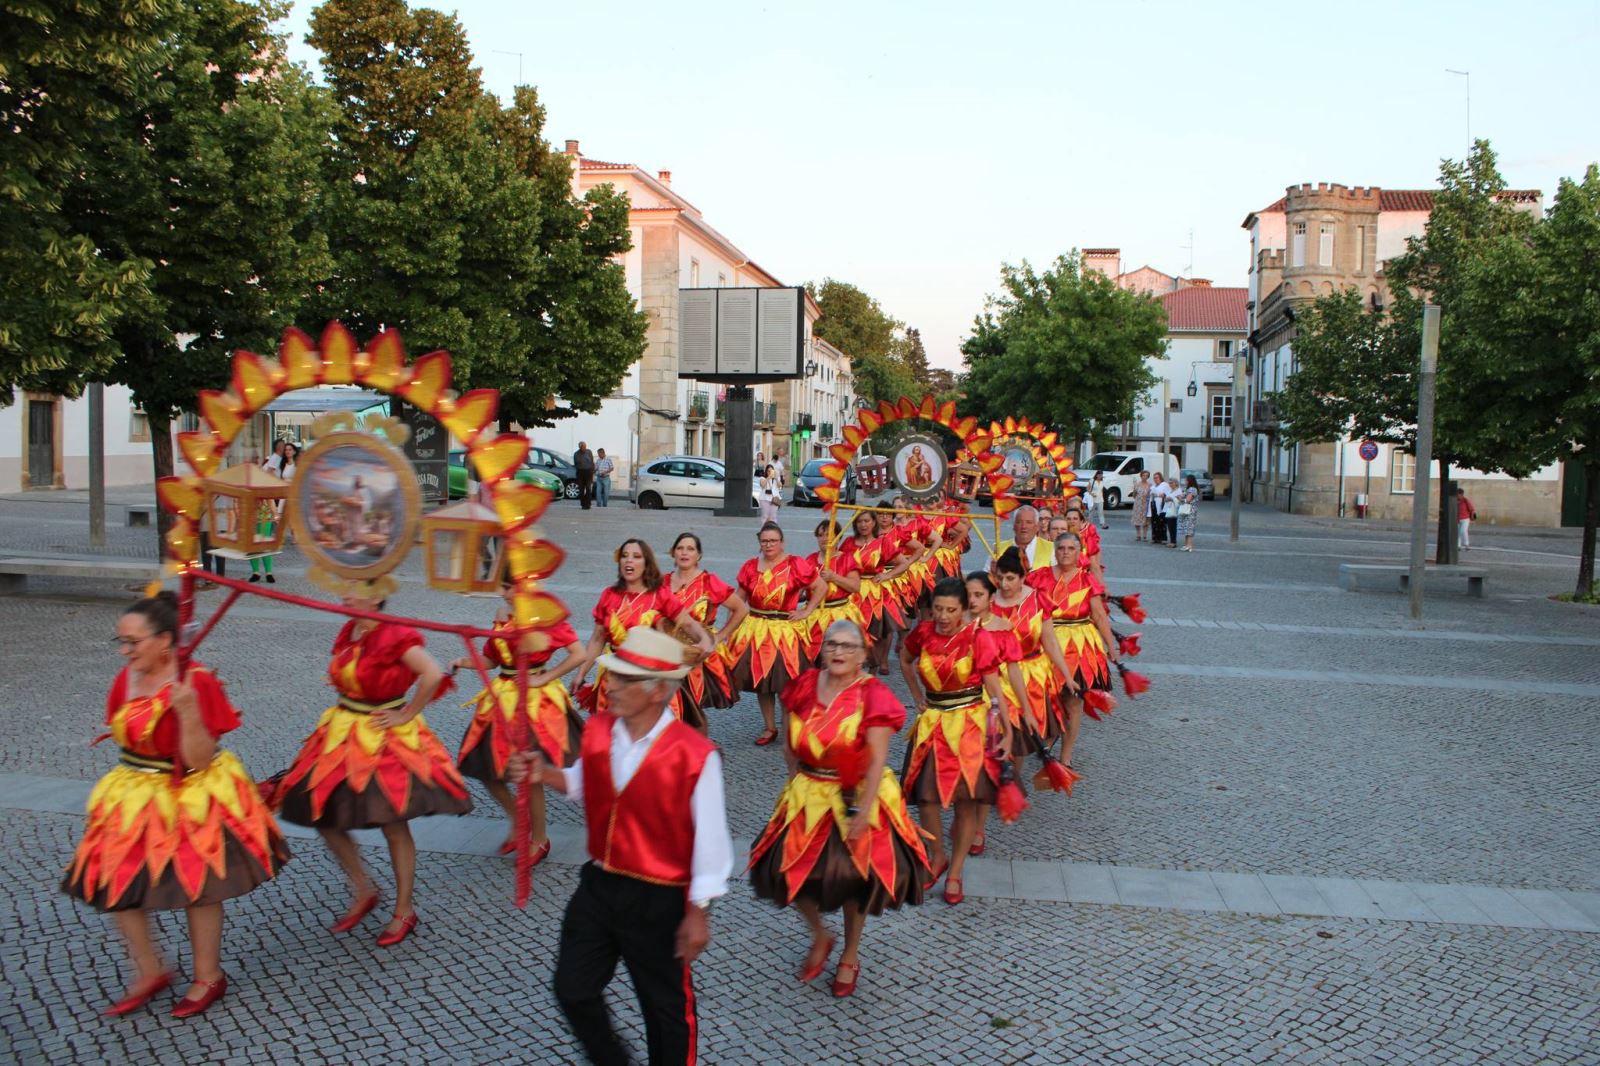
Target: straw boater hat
(646, 652)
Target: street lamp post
(1419, 499)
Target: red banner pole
(521, 736)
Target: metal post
(1424, 457)
(97, 464)
(1166, 423)
(1235, 489)
(739, 418)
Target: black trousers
(585, 487)
(1158, 528)
(1172, 529)
(614, 917)
(214, 564)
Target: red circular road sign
(1369, 450)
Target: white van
(1121, 471)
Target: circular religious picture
(354, 505)
(918, 464)
(1018, 463)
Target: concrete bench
(138, 514)
(15, 570)
(1350, 575)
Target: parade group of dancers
(1001, 666)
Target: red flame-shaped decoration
(1130, 607)
(1011, 802)
(1133, 682)
(587, 697)
(1097, 703)
(1129, 645)
(1055, 776)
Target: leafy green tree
(73, 76)
(1064, 346)
(916, 358)
(857, 325)
(1534, 298)
(452, 219)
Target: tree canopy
(1064, 346)
(857, 325)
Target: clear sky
(912, 147)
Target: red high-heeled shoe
(387, 939)
(955, 895)
(841, 987)
(142, 992)
(507, 847)
(188, 1008)
(930, 882)
(813, 967)
(540, 853)
(352, 917)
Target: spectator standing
(1188, 512)
(1159, 491)
(274, 461)
(777, 462)
(1466, 514)
(769, 494)
(761, 465)
(1141, 506)
(603, 466)
(583, 463)
(1097, 496)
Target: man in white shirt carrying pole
(659, 853)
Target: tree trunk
(1441, 543)
(1591, 518)
(161, 459)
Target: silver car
(681, 481)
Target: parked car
(805, 486)
(558, 464)
(681, 481)
(1122, 473)
(531, 474)
(1202, 481)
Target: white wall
(127, 461)
(1174, 367)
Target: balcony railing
(699, 406)
(1265, 412)
(826, 432)
(1220, 430)
(765, 413)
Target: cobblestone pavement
(1300, 766)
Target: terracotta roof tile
(1414, 199)
(1207, 308)
(585, 163)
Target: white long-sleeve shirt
(712, 861)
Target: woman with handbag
(1188, 512)
(769, 494)
(1169, 515)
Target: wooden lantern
(872, 474)
(463, 548)
(1048, 484)
(962, 481)
(241, 503)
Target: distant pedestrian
(1188, 512)
(1159, 491)
(603, 466)
(761, 465)
(783, 477)
(274, 461)
(769, 494)
(583, 463)
(1097, 496)
(1169, 514)
(266, 518)
(1466, 514)
(1141, 506)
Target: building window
(1297, 246)
(138, 428)
(1325, 245)
(1403, 473)
(1361, 249)
(722, 280)
(694, 273)
(1224, 350)
(1222, 409)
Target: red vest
(646, 830)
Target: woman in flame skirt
(952, 667)
(841, 837)
(768, 650)
(553, 723)
(877, 564)
(639, 597)
(703, 594)
(842, 599)
(1077, 603)
(178, 824)
(372, 762)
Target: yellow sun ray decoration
(337, 359)
(1054, 478)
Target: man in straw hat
(659, 853)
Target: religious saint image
(919, 466)
(1018, 463)
(355, 504)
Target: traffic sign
(1369, 450)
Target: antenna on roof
(1467, 75)
(1188, 271)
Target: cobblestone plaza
(1325, 835)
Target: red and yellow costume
(159, 838)
(1028, 617)
(616, 613)
(1089, 537)
(641, 831)
(946, 560)
(553, 720)
(901, 593)
(946, 759)
(1069, 599)
(707, 683)
(768, 649)
(871, 560)
(837, 603)
(353, 773)
(804, 851)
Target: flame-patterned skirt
(831, 611)
(766, 652)
(900, 595)
(1044, 688)
(946, 759)
(1085, 653)
(352, 773)
(870, 600)
(803, 853)
(155, 843)
(707, 684)
(552, 719)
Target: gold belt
(819, 772)
(357, 707)
(950, 701)
(840, 602)
(145, 764)
(769, 614)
